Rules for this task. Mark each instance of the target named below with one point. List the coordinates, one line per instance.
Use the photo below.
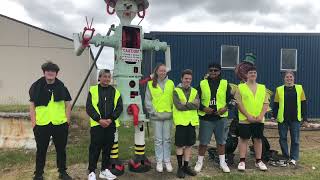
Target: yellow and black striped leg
(140, 163)
(116, 167)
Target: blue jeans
(162, 140)
(294, 127)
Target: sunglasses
(214, 70)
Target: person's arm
(177, 103)
(67, 104)
(32, 114)
(148, 101)
(118, 110)
(275, 105)
(230, 97)
(90, 109)
(193, 105)
(201, 106)
(68, 110)
(264, 108)
(32, 108)
(304, 107)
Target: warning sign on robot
(131, 55)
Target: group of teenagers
(183, 106)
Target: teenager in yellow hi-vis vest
(215, 95)
(253, 103)
(186, 103)
(290, 107)
(158, 102)
(50, 116)
(104, 106)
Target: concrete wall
(24, 48)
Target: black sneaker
(180, 173)
(65, 176)
(188, 170)
(38, 177)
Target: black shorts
(255, 130)
(185, 135)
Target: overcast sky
(67, 16)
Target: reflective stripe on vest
(162, 99)
(184, 118)
(252, 104)
(94, 90)
(280, 91)
(220, 96)
(54, 112)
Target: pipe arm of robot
(156, 45)
(97, 40)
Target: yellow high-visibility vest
(94, 90)
(252, 103)
(184, 118)
(280, 91)
(54, 112)
(162, 99)
(220, 96)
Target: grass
(14, 108)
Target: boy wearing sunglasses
(215, 95)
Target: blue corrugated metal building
(195, 50)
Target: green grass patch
(14, 108)
(12, 158)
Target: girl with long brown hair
(158, 102)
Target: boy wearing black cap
(215, 95)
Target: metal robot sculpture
(128, 43)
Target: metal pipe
(91, 68)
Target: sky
(68, 16)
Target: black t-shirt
(290, 103)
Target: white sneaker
(198, 166)
(261, 166)
(168, 166)
(293, 162)
(159, 167)
(224, 167)
(106, 174)
(92, 176)
(242, 166)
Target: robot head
(127, 9)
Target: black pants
(59, 135)
(101, 139)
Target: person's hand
(208, 110)
(259, 119)
(221, 111)
(109, 121)
(251, 119)
(104, 123)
